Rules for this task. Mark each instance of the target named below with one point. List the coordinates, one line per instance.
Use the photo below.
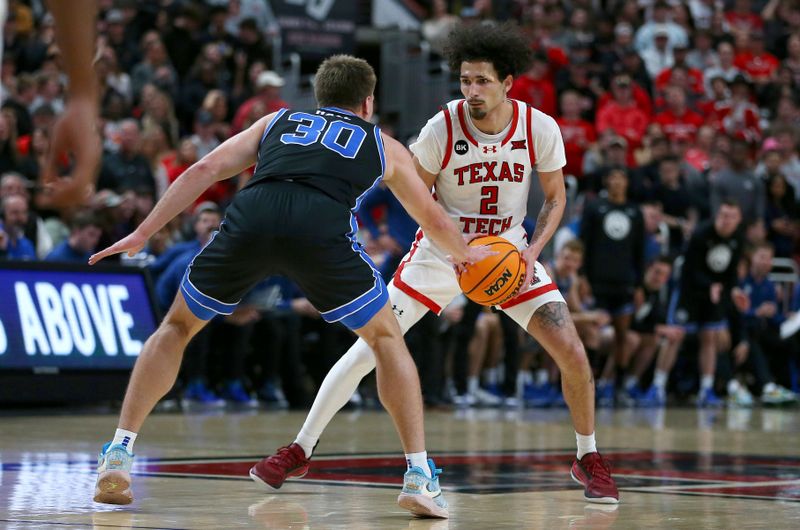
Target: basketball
(497, 278)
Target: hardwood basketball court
(678, 468)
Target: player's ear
(367, 106)
(507, 82)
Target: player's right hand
(472, 255)
(132, 244)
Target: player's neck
(495, 121)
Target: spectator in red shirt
(738, 116)
(639, 94)
(678, 118)
(268, 85)
(743, 119)
(622, 114)
(755, 61)
(719, 99)
(696, 154)
(534, 87)
(743, 18)
(578, 134)
(695, 76)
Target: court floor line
(717, 484)
(89, 525)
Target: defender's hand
(131, 244)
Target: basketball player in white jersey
(479, 154)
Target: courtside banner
(73, 316)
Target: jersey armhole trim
(531, 151)
(514, 120)
(381, 151)
(449, 145)
(269, 127)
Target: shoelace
(436, 470)
(600, 462)
(284, 456)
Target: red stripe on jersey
(410, 291)
(514, 120)
(533, 293)
(531, 153)
(449, 146)
(463, 123)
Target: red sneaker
(287, 462)
(593, 472)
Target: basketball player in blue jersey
(295, 218)
(480, 154)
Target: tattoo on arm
(543, 219)
(552, 315)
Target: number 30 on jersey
(344, 139)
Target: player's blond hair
(344, 81)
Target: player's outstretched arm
(230, 158)
(410, 190)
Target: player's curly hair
(503, 45)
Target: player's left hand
(529, 256)
(132, 244)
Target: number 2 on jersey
(489, 200)
(309, 130)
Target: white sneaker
(738, 395)
(486, 398)
(464, 400)
(777, 395)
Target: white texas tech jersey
(483, 180)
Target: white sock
(660, 379)
(335, 391)
(706, 382)
(586, 444)
(631, 381)
(125, 439)
(307, 442)
(472, 384)
(542, 377)
(419, 460)
(769, 387)
(733, 386)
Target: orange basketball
(497, 278)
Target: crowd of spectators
(671, 112)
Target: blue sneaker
(422, 495)
(652, 398)
(708, 399)
(537, 395)
(605, 395)
(114, 475)
(199, 394)
(235, 392)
